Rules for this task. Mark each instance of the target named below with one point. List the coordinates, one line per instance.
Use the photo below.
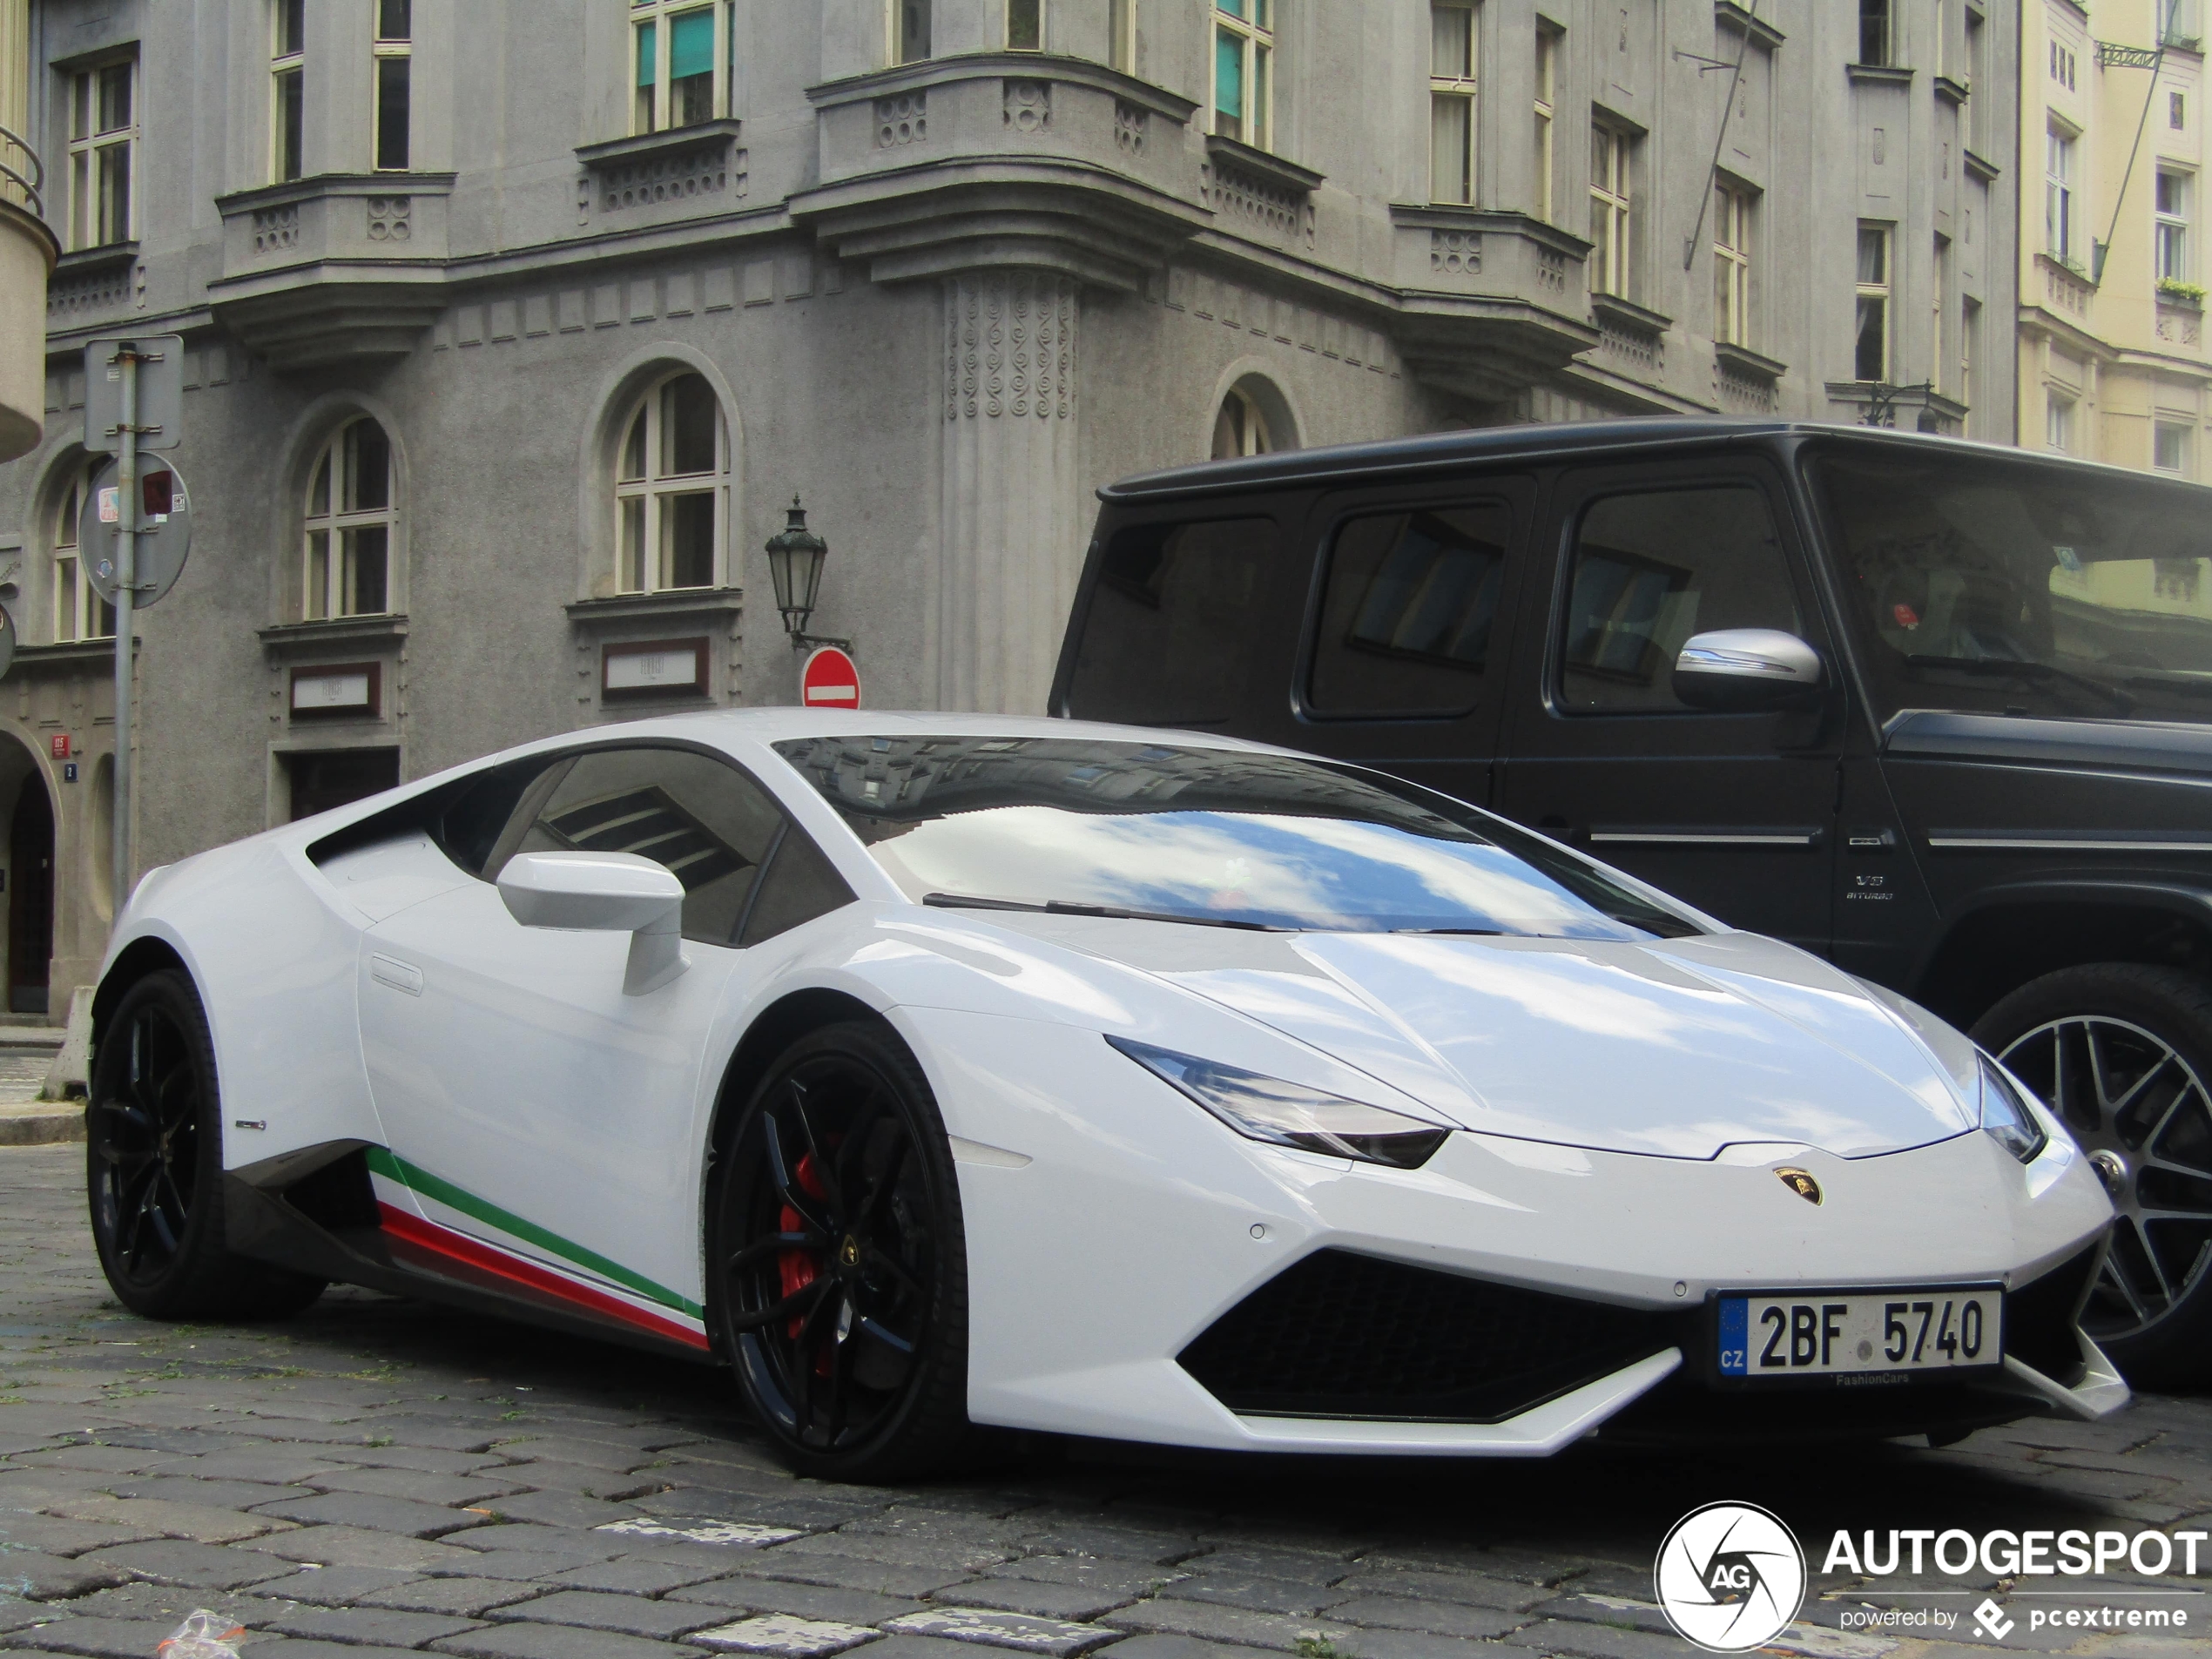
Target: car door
(1408, 634)
(530, 1103)
(1733, 812)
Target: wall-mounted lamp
(795, 555)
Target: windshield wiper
(2020, 669)
(1462, 932)
(1060, 908)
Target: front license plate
(1777, 1338)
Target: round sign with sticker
(164, 527)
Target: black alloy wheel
(2122, 1056)
(154, 1168)
(840, 1293)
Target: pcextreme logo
(1729, 1577)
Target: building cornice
(1981, 167)
(292, 641)
(262, 197)
(1729, 15)
(1878, 74)
(967, 66)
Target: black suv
(1938, 711)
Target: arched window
(1240, 429)
(347, 550)
(672, 489)
(80, 612)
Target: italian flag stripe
(474, 1259)
(385, 1162)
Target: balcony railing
(23, 176)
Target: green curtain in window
(1229, 75)
(691, 44)
(645, 54)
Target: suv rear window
(1168, 637)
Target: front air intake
(1343, 1335)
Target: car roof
(1446, 451)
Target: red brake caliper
(797, 1268)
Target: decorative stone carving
(1130, 125)
(1261, 206)
(2064, 290)
(1748, 392)
(1006, 559)
(1628, 344)
(2181, 325)
(902, 119)
(666, 178)
(1029, 105)
(276, 227)
(1455, 252)
(387, 218)
(1551, 271)
(102, 288)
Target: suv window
(1653, 568)
(1407, 611)
(1168, 637)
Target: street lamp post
(795, 557)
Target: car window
(701, 816)
(1168, 636)
(1650, 570)
(1988, 584)
(800, 884)
(1407, 611)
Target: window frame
(1877, 24)
(655, 488)
(1612, 197)
(2185, 431)
(2170, 229)
(79, 615)
(1882, 291)
(2059, 409)
(1254, 37)
(1732, 215)
(2060, 170)
(1545, 105)
(653, 109)
(1969, 343)
(1120, 24)
(1464, 90)
(896, 16)
(1037, 10)
(390, 49)
(90, 214)
(336, 522)
(287, 68)
(1255, 435)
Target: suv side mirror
(1748, 670)
(603, 893)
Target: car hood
(1678, 1047)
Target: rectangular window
(2170, 447)
(2058, 423)
(1731, 265)
(1121, 18)
(1243, 51)
(1939, 358)
(1874, 31)
(1451, 103)
(1407, 611)
(102, 154)
(1546, 78)
(1969, 352)
(2177, 24)
(2177, 111)
(681, 56)
(1871, 351)
(287, 88)
(2061, 66)
(80, 612)
(1025, 25)
(2058, 196)
(1979, 88)
(909, 30)
(1167, 635)
(2173, 226)
(393, 56)
(1609, 211)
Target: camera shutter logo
(1729, 1577)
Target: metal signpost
(133, 401)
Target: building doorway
(31, 898)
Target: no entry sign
(830, 680)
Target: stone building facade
(2114, 363)
(512, 325)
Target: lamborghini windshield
(2004, 586)
(1167, 833)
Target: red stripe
(452, 1246)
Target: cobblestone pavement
(380, 1475)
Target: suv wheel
(2122, 1054)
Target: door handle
(401, 976)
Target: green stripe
(387, 1163)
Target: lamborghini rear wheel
(841, 1283)
(154, 1168)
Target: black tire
(838, 1265)
(2122, 1054)
(153, 1168)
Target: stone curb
(42, 1123)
